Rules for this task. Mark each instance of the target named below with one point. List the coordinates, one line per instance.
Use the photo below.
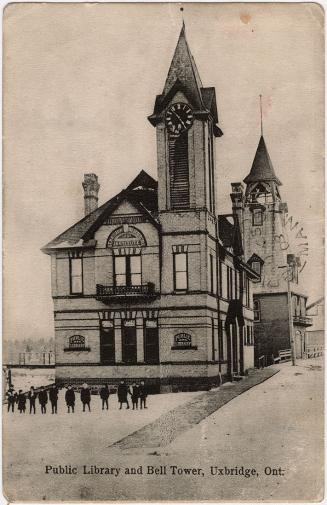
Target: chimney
(91, 189)
(237, 197)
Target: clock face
(179, 118)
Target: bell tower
(262, 213)
(186, 121)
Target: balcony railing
(302, 320)
(109, 293)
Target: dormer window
(256, 266)
(257, 217)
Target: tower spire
(261, 115)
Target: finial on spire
(183, 24)
(261, 115)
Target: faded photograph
(163, 252)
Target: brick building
(152, 284)
(268, 250)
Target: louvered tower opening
(179, 173)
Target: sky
(79, 83)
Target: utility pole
(290, 259)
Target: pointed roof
(184, 69)
(183, 76)
(262, 167)
(141, 192)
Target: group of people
(137, 392)
(21, 398)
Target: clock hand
(179, 118)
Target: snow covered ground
(275, 428)
(24, 378)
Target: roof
(142, 192)
(230, 233)
(317, 302)
(184, 69)
(255, 257)
(184, 76)
(262, 168)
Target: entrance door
(151, 343)
(107, 343)
(129, 352)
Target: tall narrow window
(211, 290)
(120, 270)
(129, 347)
(221, 340)
(151, 342)
(256, 310)
(180, 271)
(224, 281)
(107, 343)
(76, 276)
(128, 271)
(179, 172)
(257, 217)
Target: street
(265, 444)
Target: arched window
(256, 310)
(77, 342)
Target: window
(179, 172)
(257, 217)
(129, 348)
(231, 284)
(183, 341)
(151, 342)
(256, 266)
(213, 275)
(180, 271)
(76, 276)
(256, 310)
(76, 342)
(107, 343)
(221, 340)
(224, 281)
(128, 270)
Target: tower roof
(184, 69)
(262, 168)
(183, 76)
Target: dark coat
(21, 400)
(135, 393)
(53, 394)
(143, 391)
(122, 393)
(70, 397)
(104, 393)
(11, 396)
(85, 395)
(32, 397)
(43, 397)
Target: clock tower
(186, 121)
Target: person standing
(11, 399)
(135, 395)
(32, 399)
(86, 396)
(104, 395)
(143, 395)
(122, 392)
(53, 396)
(43, 400)
(70, 399)
(21, 400)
